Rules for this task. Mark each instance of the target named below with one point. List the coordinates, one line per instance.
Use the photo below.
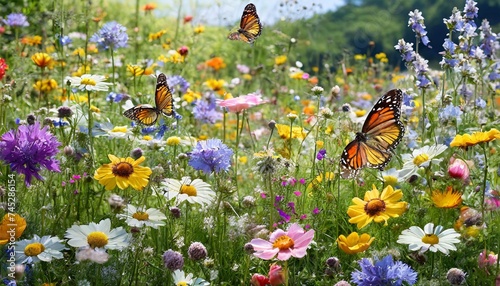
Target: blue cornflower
(406, 50)
(175, 80)
(65, 40)
(16, 20)
(416, 22)
(383, 272)
(470, 10)
(205, 109)
(28, 150)
(210, 156)
(489, 40)
(115, 97)
(450, 113)
(321, 154)
(480, 103)
(111, 35)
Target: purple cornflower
(205, 109)
(383, 272)
(489, 40)
(406, 50)
(29, 149)
(286, 217)
(416, 22)
(175, 80)
(211, 156)
(321, 154)
(111, 35)
(16, 20)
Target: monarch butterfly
(147, 114)
(250, 26)
(381, 133)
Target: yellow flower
(216, 63)
(45, 85)
(360, 113)
(200, 29)
(475, 138)
(157, 35)
(191, 96)
(359, 57)
(123, 172)
(243, 160)
(95, 109)
(172, 56)
(42, 60)
(135, 70)
(284, 131)
(79, 52)
(327, 177)
(81, 71)
(11, 221)
(354, 243)
(280, 60)
(31, 41)
(376, 207)
(173, 141)
(381, 56)
(215, 84)
(447, 199)
(320, 144)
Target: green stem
(112, 68)
(484, 178)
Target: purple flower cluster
(321, 154)
(205, 109)
(111, 35)
(383, 272)
(177, 80)
(29, 149)
(210, 156)
(16, 20)
(419, 64)
(416, 22)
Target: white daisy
(390, 177)
(98, 235)
(429, 238)
(193, 191)
(135, 217)
(89, 82)
(420, 158)
(180, 278)
(33, 250)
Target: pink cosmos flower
(241, 103)
(285, 244)
(458, 169)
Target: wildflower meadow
(139, 149)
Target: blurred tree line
(350, 29)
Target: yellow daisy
(123, 172)
(284, 131)
(475, 138)
(448, 199)
(11, 221)
(376, 206)
(354, 243)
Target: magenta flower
(285, 244)
(241, 103)
(458, 169)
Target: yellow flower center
(390, 180)
(123, 169)
(173, 141)
(420, 159)
(188, 190)
(374, 207)
(140, 216)
(33, 249)
(122, 129)
(88, 81)
(430, 239)
(97, 239)
(182, 283)
(283, 242)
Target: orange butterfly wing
(144, 114)
(250, 26)
(381, 133)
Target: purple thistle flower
(211, 156)
(111, 35)
(173, 260)
(175, 80)
(383, 272)
(16, 20)
(29, 149)
(205, 109)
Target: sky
(228, 12)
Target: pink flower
(285, 244)
(276, 275)
(458, 169)
(241, 103)
(259, 280)
(485, 260)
